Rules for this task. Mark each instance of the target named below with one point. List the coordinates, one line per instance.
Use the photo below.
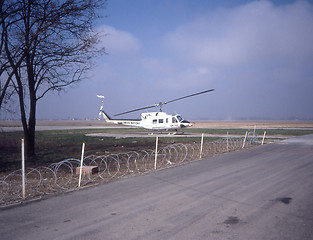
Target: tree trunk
(32, 127)
(28, 128)
(29, 57)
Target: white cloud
(246, 53)
(117, 42)
(152, 64)
(253, 32)
(257, 56)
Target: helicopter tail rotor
(101, 112)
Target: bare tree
(5, 71)
(47, 45)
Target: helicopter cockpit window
(174, 120)
(180, 118)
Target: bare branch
(46, 45)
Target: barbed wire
(63, 176)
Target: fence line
(62, 176)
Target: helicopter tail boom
(127, 122)
(105, 116)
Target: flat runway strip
(261, 193)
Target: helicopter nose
(185, 124)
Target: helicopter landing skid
(176, 133)
(167, 133)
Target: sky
(257, 55)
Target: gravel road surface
(260, 193)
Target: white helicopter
(152, 120)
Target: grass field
(55, 145)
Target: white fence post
(227, 141)
(23, 169)
(81, 165)
(244, 141)
(254, 131)
(156, 152)
(263, 137)
(201, 147)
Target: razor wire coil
(63, 176)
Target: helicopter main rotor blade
(135, 110)
(195, 94)
(163, 103)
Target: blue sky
(258, 55)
